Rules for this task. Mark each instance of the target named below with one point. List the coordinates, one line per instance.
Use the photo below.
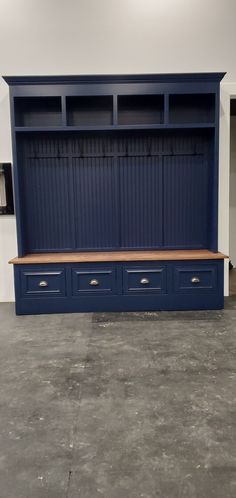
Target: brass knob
(94, 282)
(144, 281)
(195, 280)
(43, 283)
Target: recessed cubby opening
(37, 111)
(140, 109)
(90, 110)
(192, 108)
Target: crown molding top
(113, 78)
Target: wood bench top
(94, 257)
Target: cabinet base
(42, 306)
(120, 286)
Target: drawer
(43, 283)
(195, 279)
(89, 281)
(144, 280)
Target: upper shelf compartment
(89, 110)
(37, 111)
(140, 109)
(105, 112)
(191, 108)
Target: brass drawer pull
(94, 282)
(43, 283)
(144, 281)
(195, 280)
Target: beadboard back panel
(185, 201)
(107, 192)
(141, 214)
(95, 213)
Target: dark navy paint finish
(95, 201)
(43, 283)
(65, 195)
(119, 287)
(145, 280)
(101, 192)
(195, 279)
(185, 198)
(47, 205)
(94, 281)
(141, 216)
(19, 81)
(114, 162)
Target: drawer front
(43, 283)
(195, 279)
(144, 280)
(101, 281)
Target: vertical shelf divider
(166, 108)
(63, 111)
(115, 110)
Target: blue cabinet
(119, 286)
(116, 163)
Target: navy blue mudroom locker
(116, 192)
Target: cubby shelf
(23, 129)
(192, 108)
(98, 112)
(37, 111)
(86, 111)
(140, 109)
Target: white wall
(8, 246)
(113, 36)
(7, 251)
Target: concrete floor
(118, 405)
(232, 282)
